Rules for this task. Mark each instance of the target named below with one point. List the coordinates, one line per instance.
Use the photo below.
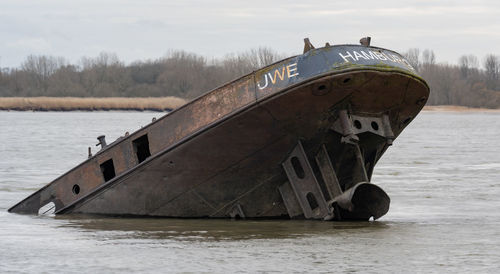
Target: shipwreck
(296, 139)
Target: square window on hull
(141, 148)
(108, 170)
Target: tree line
(471, 82)
(178, 73)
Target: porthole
(357, 124)
(321, 88)
(421, 101)
(76, 189)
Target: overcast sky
(147, 29)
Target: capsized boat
(296, 139)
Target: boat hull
(239, 160)
(228, 153)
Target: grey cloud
(147, 29)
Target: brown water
(442, 174)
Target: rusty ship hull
(296, 139)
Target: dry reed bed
(90, 104)
(135, 103)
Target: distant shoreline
(451, 108)
(140, 104)
(90, 103)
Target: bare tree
(262, 56)
(183, 73)
(189, 75)
(65, 82)
(104, 75)
(467, 63)
(492, 67)
(40, 68)
(428, 57)
(413, 56)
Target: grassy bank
(136, 104)
(89, 104)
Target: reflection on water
(207, 229)
(442, 175)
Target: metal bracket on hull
(352, 125)
(328, 173)
(236, 212)
(307, 191)
(302, 194)
(352, 128)
(348, 205)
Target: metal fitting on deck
(102, 141)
